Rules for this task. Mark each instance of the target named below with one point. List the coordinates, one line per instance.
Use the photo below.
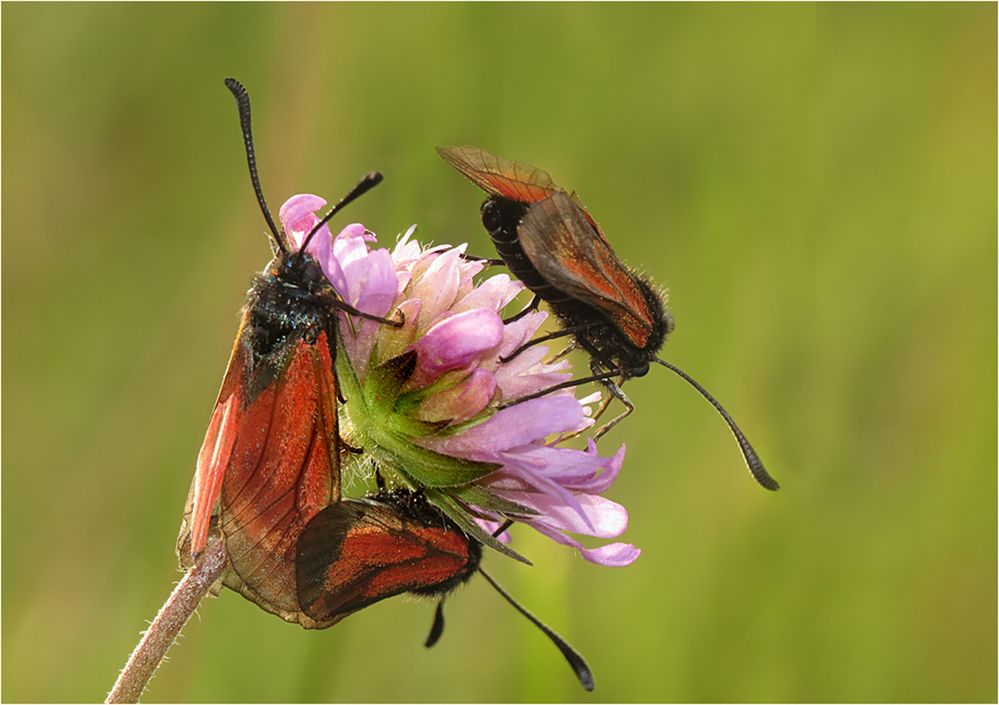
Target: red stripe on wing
(356, 553)
(575, 258)
(498, 176)
(415, 575)
(283, 469)
(213, 459)
(216, 449)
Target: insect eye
(640, 370)
(492, 218)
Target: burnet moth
(552, 244)
(270, 460)
(360, 551)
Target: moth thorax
(302, 270)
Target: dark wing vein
(557, 224)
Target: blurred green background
(815, 184)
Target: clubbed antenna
(437, 628)
(367, 183)
(756, 468)
(243, 103)
(575, 659)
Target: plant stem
(172, 617)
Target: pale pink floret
(456, 342)
(462, 401)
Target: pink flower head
(423, 399)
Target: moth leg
(619, 394)
(379, 480)
(604, 403)
(351, 449)
(602, 377)
(533, 306)
(331, 346)
(597, 369)
(347, 308)
(561, 333)
(488, 261)
(565, 351)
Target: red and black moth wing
(498, 176)
(284, 469)
(213, 458)
(565, 248)
(508, 179)
(269, 463)
(357, 552)
(564, 243)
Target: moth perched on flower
(557, 249)
(270, 459)
(361, 361)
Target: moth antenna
(366, 184)
(753, 461)
(598, 377)
(583, 672)
(437, 628)
(243, 103)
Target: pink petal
(600, 483)
(528, 373)
(456, 342)
(438, 286)
(494, 293)
(406, 251)
(297, 215)
(462, 401)
(555, 492)
(604, 518)
(395, 341)
(467, 269)
(614, 555)
(320, 247)
(513, 427)
(520, 331)
(350, 245)
(372, 282)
